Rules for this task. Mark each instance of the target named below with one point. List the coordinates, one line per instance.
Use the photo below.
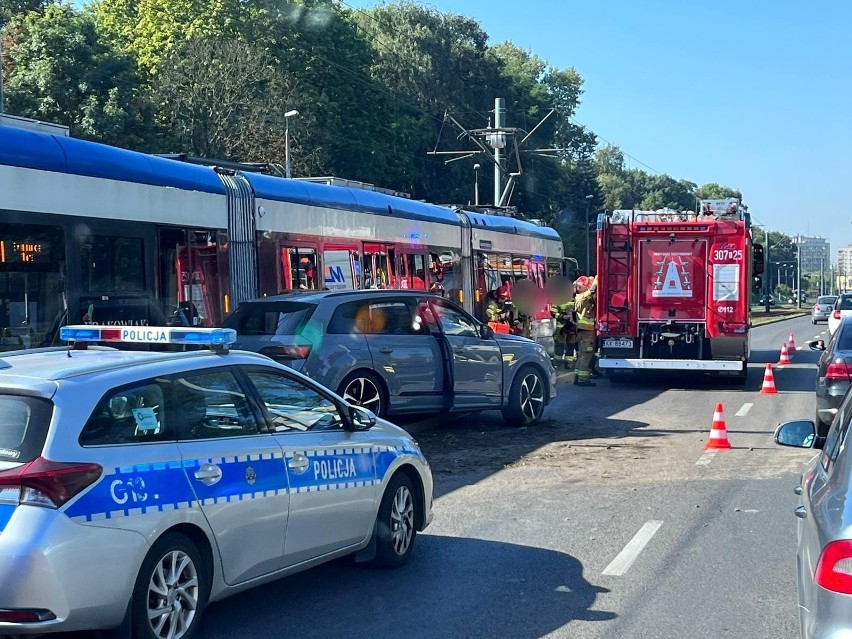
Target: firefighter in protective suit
(584, 304)
(566, 331)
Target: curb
(775, 320)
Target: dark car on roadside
(823, 308)
(834, 373)
(396, 352)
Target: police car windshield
(270, 318)
(23, 427)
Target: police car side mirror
(361, 418)
(486, 332)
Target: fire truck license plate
(618, 343)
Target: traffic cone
(785, 356)
(768, 387)
(791, 343)
(718, 431)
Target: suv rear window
(270, 318)
(23, 427)
(844, 303)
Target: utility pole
(500, 145)
(767, 277)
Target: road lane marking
(706, 458)
(744, 410)
(621, 564)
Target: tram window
(112, 264)
(32, 276)
(299, 269)
(413, 274)
(554, 268)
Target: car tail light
(836, 314)
(834, 569)
(42, 482)
(25, 615)
(838, 370)
(289, 351)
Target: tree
(11, 8)
(224, 99)
(60, 70)
(713, 191)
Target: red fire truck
(674, 289)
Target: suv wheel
(526, 398)
(363, 388)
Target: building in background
(844, 268)
(815, 254)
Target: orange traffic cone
(718, 431)
(791, 343)
(768, 387)
(785, 356)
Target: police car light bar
(149, 335)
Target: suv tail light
(834, 569)
(286, 351)
(42, 482)
(836, 314)
(838, 370)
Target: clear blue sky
(753, 94)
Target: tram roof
(506, 224)
(61, 154)
(340, 197)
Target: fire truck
(674, 289)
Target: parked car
(397, 352)
(834, 374)
(842, 308)
(823, 308)
(824, 550)
(136, 487)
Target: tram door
(412, 269)
(378, 267)
(195, 289)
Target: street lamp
(287, 116)
(588, 199)
(476, 184)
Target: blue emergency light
(149, 335)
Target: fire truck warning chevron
(674, 289)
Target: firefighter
(496, 310)
(584, 303)
(566, 331)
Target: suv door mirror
(799, 433)
(361, 418)
(486, 332)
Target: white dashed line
(621, 564)
(742, 412)
(706, 458)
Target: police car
(136, 487)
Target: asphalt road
(608, 520)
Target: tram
(93, 233)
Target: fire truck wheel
(527, 398)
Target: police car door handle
(299, 463)
(801, 513)
(208, 474)
(386, 349)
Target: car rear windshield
(826, 299)
(270, 318)
(844, 303)
(23, 427)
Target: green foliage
(59, 69)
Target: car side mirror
(486, 332)
(816, 345)
(361, 418)
(799, 433)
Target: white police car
(135, 487)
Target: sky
(752, 94)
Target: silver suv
(397, 352)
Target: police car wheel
(396, 526)
(526, 398)
(362, 388)
(170, 592)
